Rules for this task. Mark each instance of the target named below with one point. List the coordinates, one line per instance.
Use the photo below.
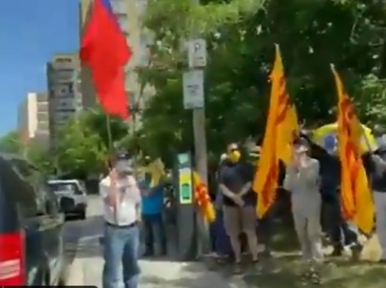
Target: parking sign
(193, 89)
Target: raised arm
(108, 192)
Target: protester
(152, 220)
(376, 168)
(221, 242)
(122, 214)
(302, 180)
(239, 203)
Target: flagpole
(109, 135)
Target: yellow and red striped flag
(356, 198)
(201, 195)
(280, 130)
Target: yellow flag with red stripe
(356, 197)
(277, 144)
(201, 196)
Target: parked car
(72, 196)
(31, 227)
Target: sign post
(193, 84)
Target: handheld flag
(356, 198)
(203, 202)
(279, 133)
(105, 51)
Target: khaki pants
(309, 234)
(239, 219)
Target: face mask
(234, 156)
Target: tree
(40, 158)
(11, 143)
(83, 143)
(240, 36)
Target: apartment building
(33, 119)
(65, 97)
(129, 15)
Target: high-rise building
(129, 15)
(65, 97)
(33, 119)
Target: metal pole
(201, 162)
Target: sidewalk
(87, 270)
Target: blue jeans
(154, 234)
(121, 245)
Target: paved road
(86, 266)
(74, 230)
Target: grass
(283, 268)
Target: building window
(43, 126)
(65, 74)
(42, 107)
(63, 60)
(42, 116)
(65, 110)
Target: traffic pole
(198, 46)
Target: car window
(63, 187)
(51, 202)
(9, 221)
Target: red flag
(104, 49)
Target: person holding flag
(105, 51)
(302, 181)
(280, 131)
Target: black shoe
(148, 254)
(382, 261)
(337, 252)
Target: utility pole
(194, 99)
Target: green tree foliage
(40, 158)
(84, 144)
(240, 36)
(11, 143)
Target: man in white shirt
(122, 213)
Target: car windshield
(63, 187)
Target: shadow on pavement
(188, 275)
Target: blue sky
(31, 31)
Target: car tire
(82, 215)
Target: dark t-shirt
(234, 177)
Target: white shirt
(129, 197)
